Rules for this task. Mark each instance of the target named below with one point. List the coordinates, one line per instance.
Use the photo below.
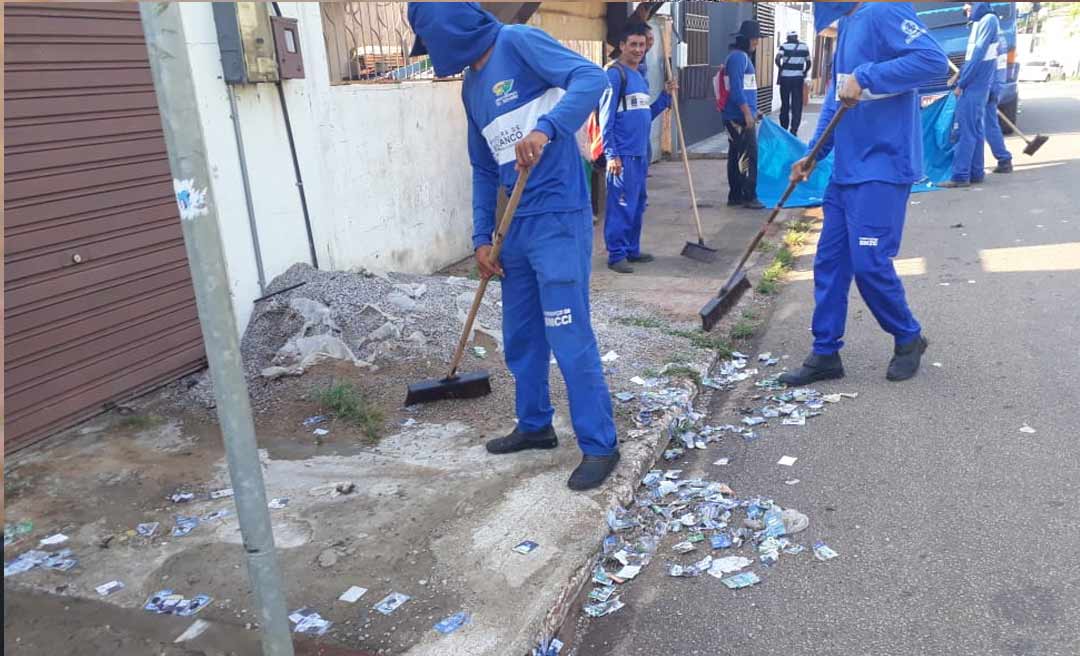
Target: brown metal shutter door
(98, 296)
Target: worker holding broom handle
(883, 54)
(526, 95)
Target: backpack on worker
(720, 89)
(596, 131)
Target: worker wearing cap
(883, 55)
(793, 65)
(627, 115)
(973, 90)
(525, 97)
(739, 117)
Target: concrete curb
(621, 492)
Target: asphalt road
(957, 532)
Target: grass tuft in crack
(683, 371)
(346, 403)
(742, 330)
(139, 422)
(641, 322)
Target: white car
(1039, 70)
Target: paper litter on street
(353, 594)
(391, 602)
(452, 623)
(787, 461)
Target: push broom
(1033, 145)
(738, 283)
(698, 251)
(474, 383)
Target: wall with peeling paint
(384, 166)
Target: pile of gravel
(397, 319)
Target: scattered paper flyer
(353, 594)
(392, 602)
(786, 461)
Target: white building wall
(384, 166)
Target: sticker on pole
(190, 201)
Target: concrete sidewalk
(432, 515)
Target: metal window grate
(765, 15)
(370, 41)
(696, 33)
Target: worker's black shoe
(622, 266)
(954, 184)
(519, 441)
(734, 203)
(753, 205)
(905, 360)
(593, 471)
(816, 367)
(641, 258)
(1004, 166)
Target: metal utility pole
(195, 198)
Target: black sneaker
(905, 360)
(954, 184)
(734, 203)
(753, 205)
(1004, 166)
(622, 266)
(593, 471)
(641, 257)
(519, 441)
(814, 368)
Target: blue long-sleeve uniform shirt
(741, 80)
(530, 82)
(980, 61)
(890, 53)
(1002, 71)
(627, 128)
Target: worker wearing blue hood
(883, 54)
(973, 88)
(525, 94)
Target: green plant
(750, 315)
(705, 341)
(650, 373)
(767, 287)
(766, 246)
(641, 322)
(683, 371)
(346, 403)
(743, 330)
(784, 258)
(799, 226)
(794, 239)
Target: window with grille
(370, 42)
(696, 33)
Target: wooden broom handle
(496, 248)
(682, 137)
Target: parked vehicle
(1039, 70)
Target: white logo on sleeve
(867, 241)
(912, 30)
(556, 318)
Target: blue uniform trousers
(546, 259)
(625, 209)
(863, 226)
(968, 155)
(994, 137)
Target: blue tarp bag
(778, 149)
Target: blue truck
(948, 24)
